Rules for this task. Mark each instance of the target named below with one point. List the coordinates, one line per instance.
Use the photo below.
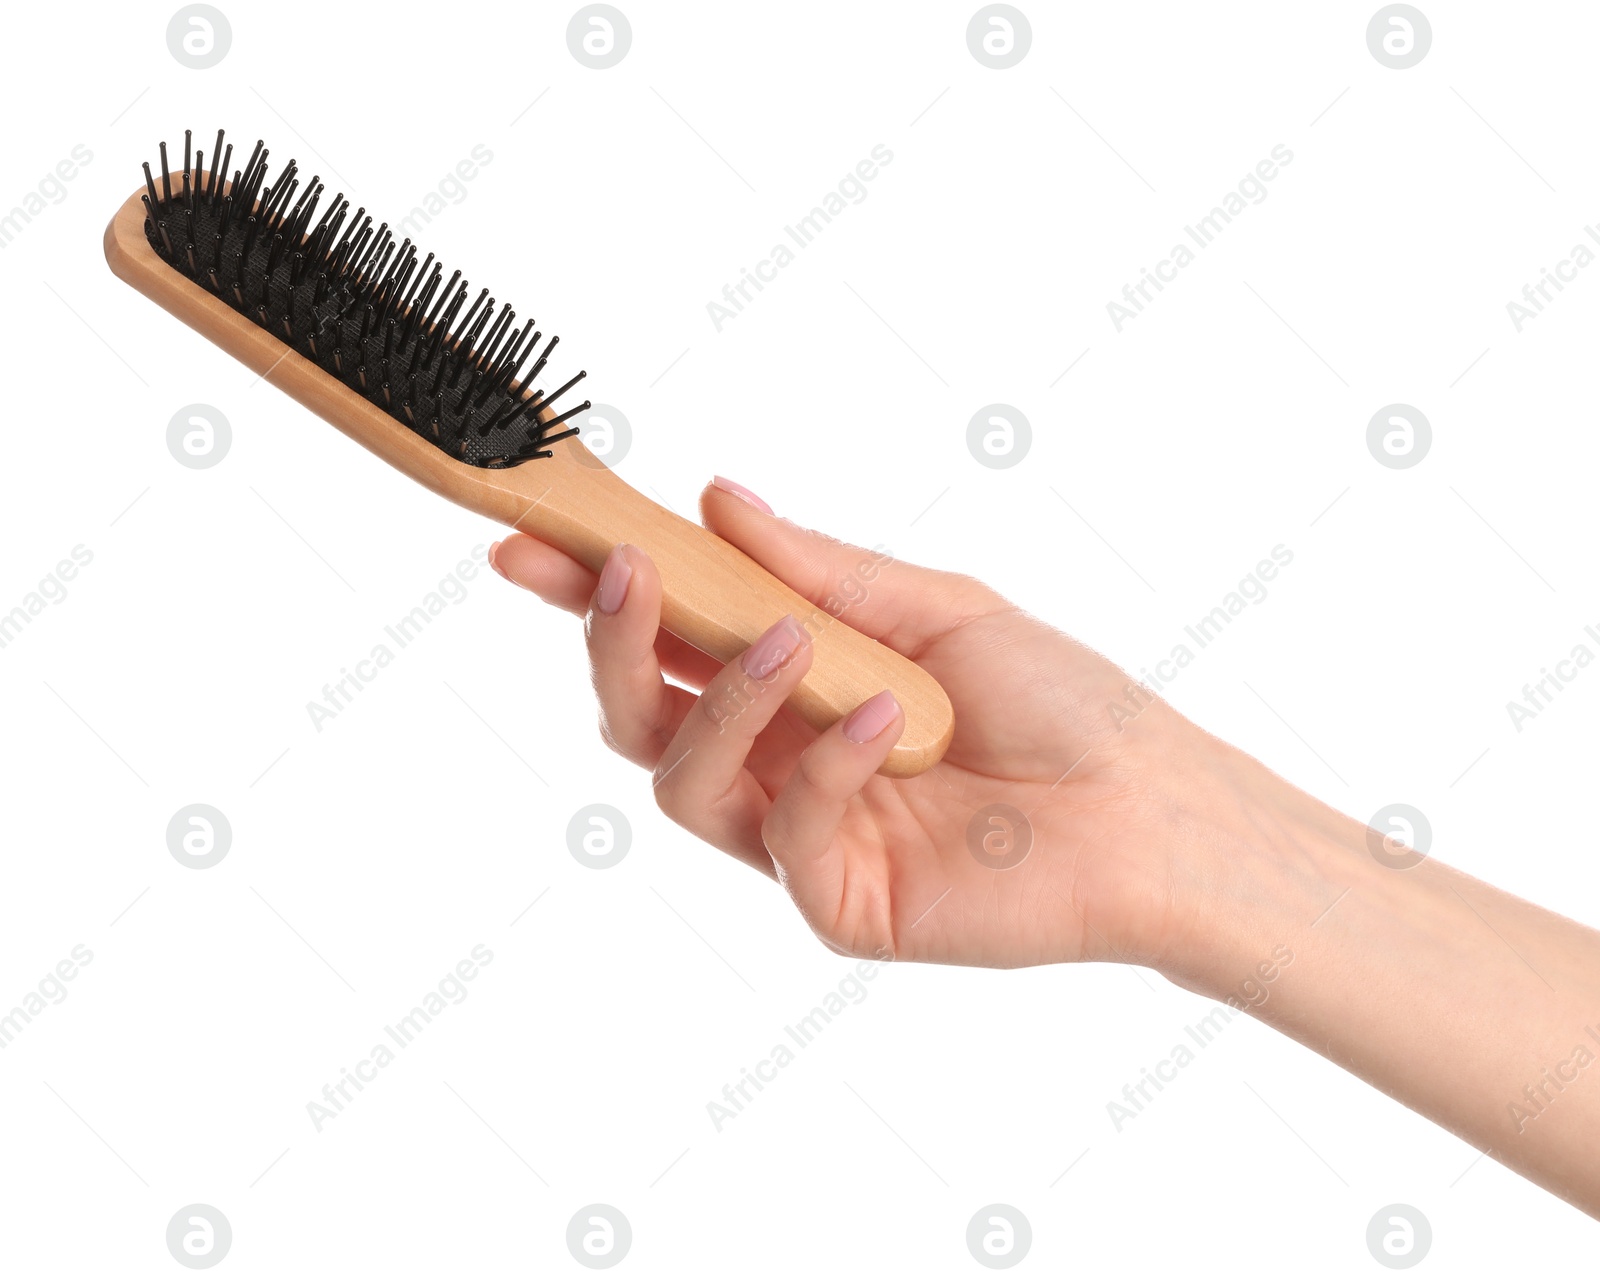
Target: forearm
(1475, 1008)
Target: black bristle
(215, 152)
(216, 185)
(350, 295)
(546, 402)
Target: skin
(1153, 843)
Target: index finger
(566, 583)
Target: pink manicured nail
(870, 720)
(743, 493)
(773, 648)
(498, 569)
(614, 577)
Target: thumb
(900, 605)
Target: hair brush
(338, 315)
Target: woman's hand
(1146, 839)
(1055, 829)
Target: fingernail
(869, 721)
(743, 493)
(614, 577)
(498, 569)
(773, 648)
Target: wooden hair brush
(341, 317)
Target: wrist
(1264, 863)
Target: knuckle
(609, 736)
(742, 703)
(668, 794)
(974, 592)
(822, 538)
(721, 704)
(630, 746)
(854, 944)
(812, 771)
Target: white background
(1170, 459)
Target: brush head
(346, 296)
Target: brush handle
(720, 601)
